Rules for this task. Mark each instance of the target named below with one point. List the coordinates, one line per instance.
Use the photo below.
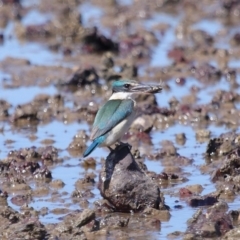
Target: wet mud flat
(180, 179)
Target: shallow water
(62, 134)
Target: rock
(24, 114)
(196, 188)
(59, 211)
(143, 123)
(76, 224)
(20, 200)
(78, 143)
(42, 174)
(168, 149)
(82, 77)
(86, 181)
(203, 133)
(229, 167)
(185, 192)
(125, 185)
(98, 43)
(3, 198)
(232, 234)
(162, 215)
(57, 183)
(89, 163)
(86, 216)
(207, 73)
(129, 70)
(175, 235)
(202, 201)
(181, 138)
(20, 226)
(200, 37)
(214, 223)
(4, 108)
(222, 145)
(113, 221)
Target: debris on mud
(66, 53)
(21, 226)
(214, 222)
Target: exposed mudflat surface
(57, 61)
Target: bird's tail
(94, 144)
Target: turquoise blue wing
(109, 115)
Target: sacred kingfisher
(115, 117)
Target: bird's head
(131, 86)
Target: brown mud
(179, 180)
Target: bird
(114, 118)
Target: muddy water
(62, 132)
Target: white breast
(119, 130)
(122, 95)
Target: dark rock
(229, 167)
(11, 215)
(93, 42)
(82, 77)
(223, 145)
(23, 167)
(214, 223)
(1, 38)
(125, 185)
(202, 201)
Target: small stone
(203, 133)
(57, 183)
(85, 217)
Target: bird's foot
(110, 149)
(122, 144)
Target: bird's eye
(126, 85)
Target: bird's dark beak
(141, 88)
